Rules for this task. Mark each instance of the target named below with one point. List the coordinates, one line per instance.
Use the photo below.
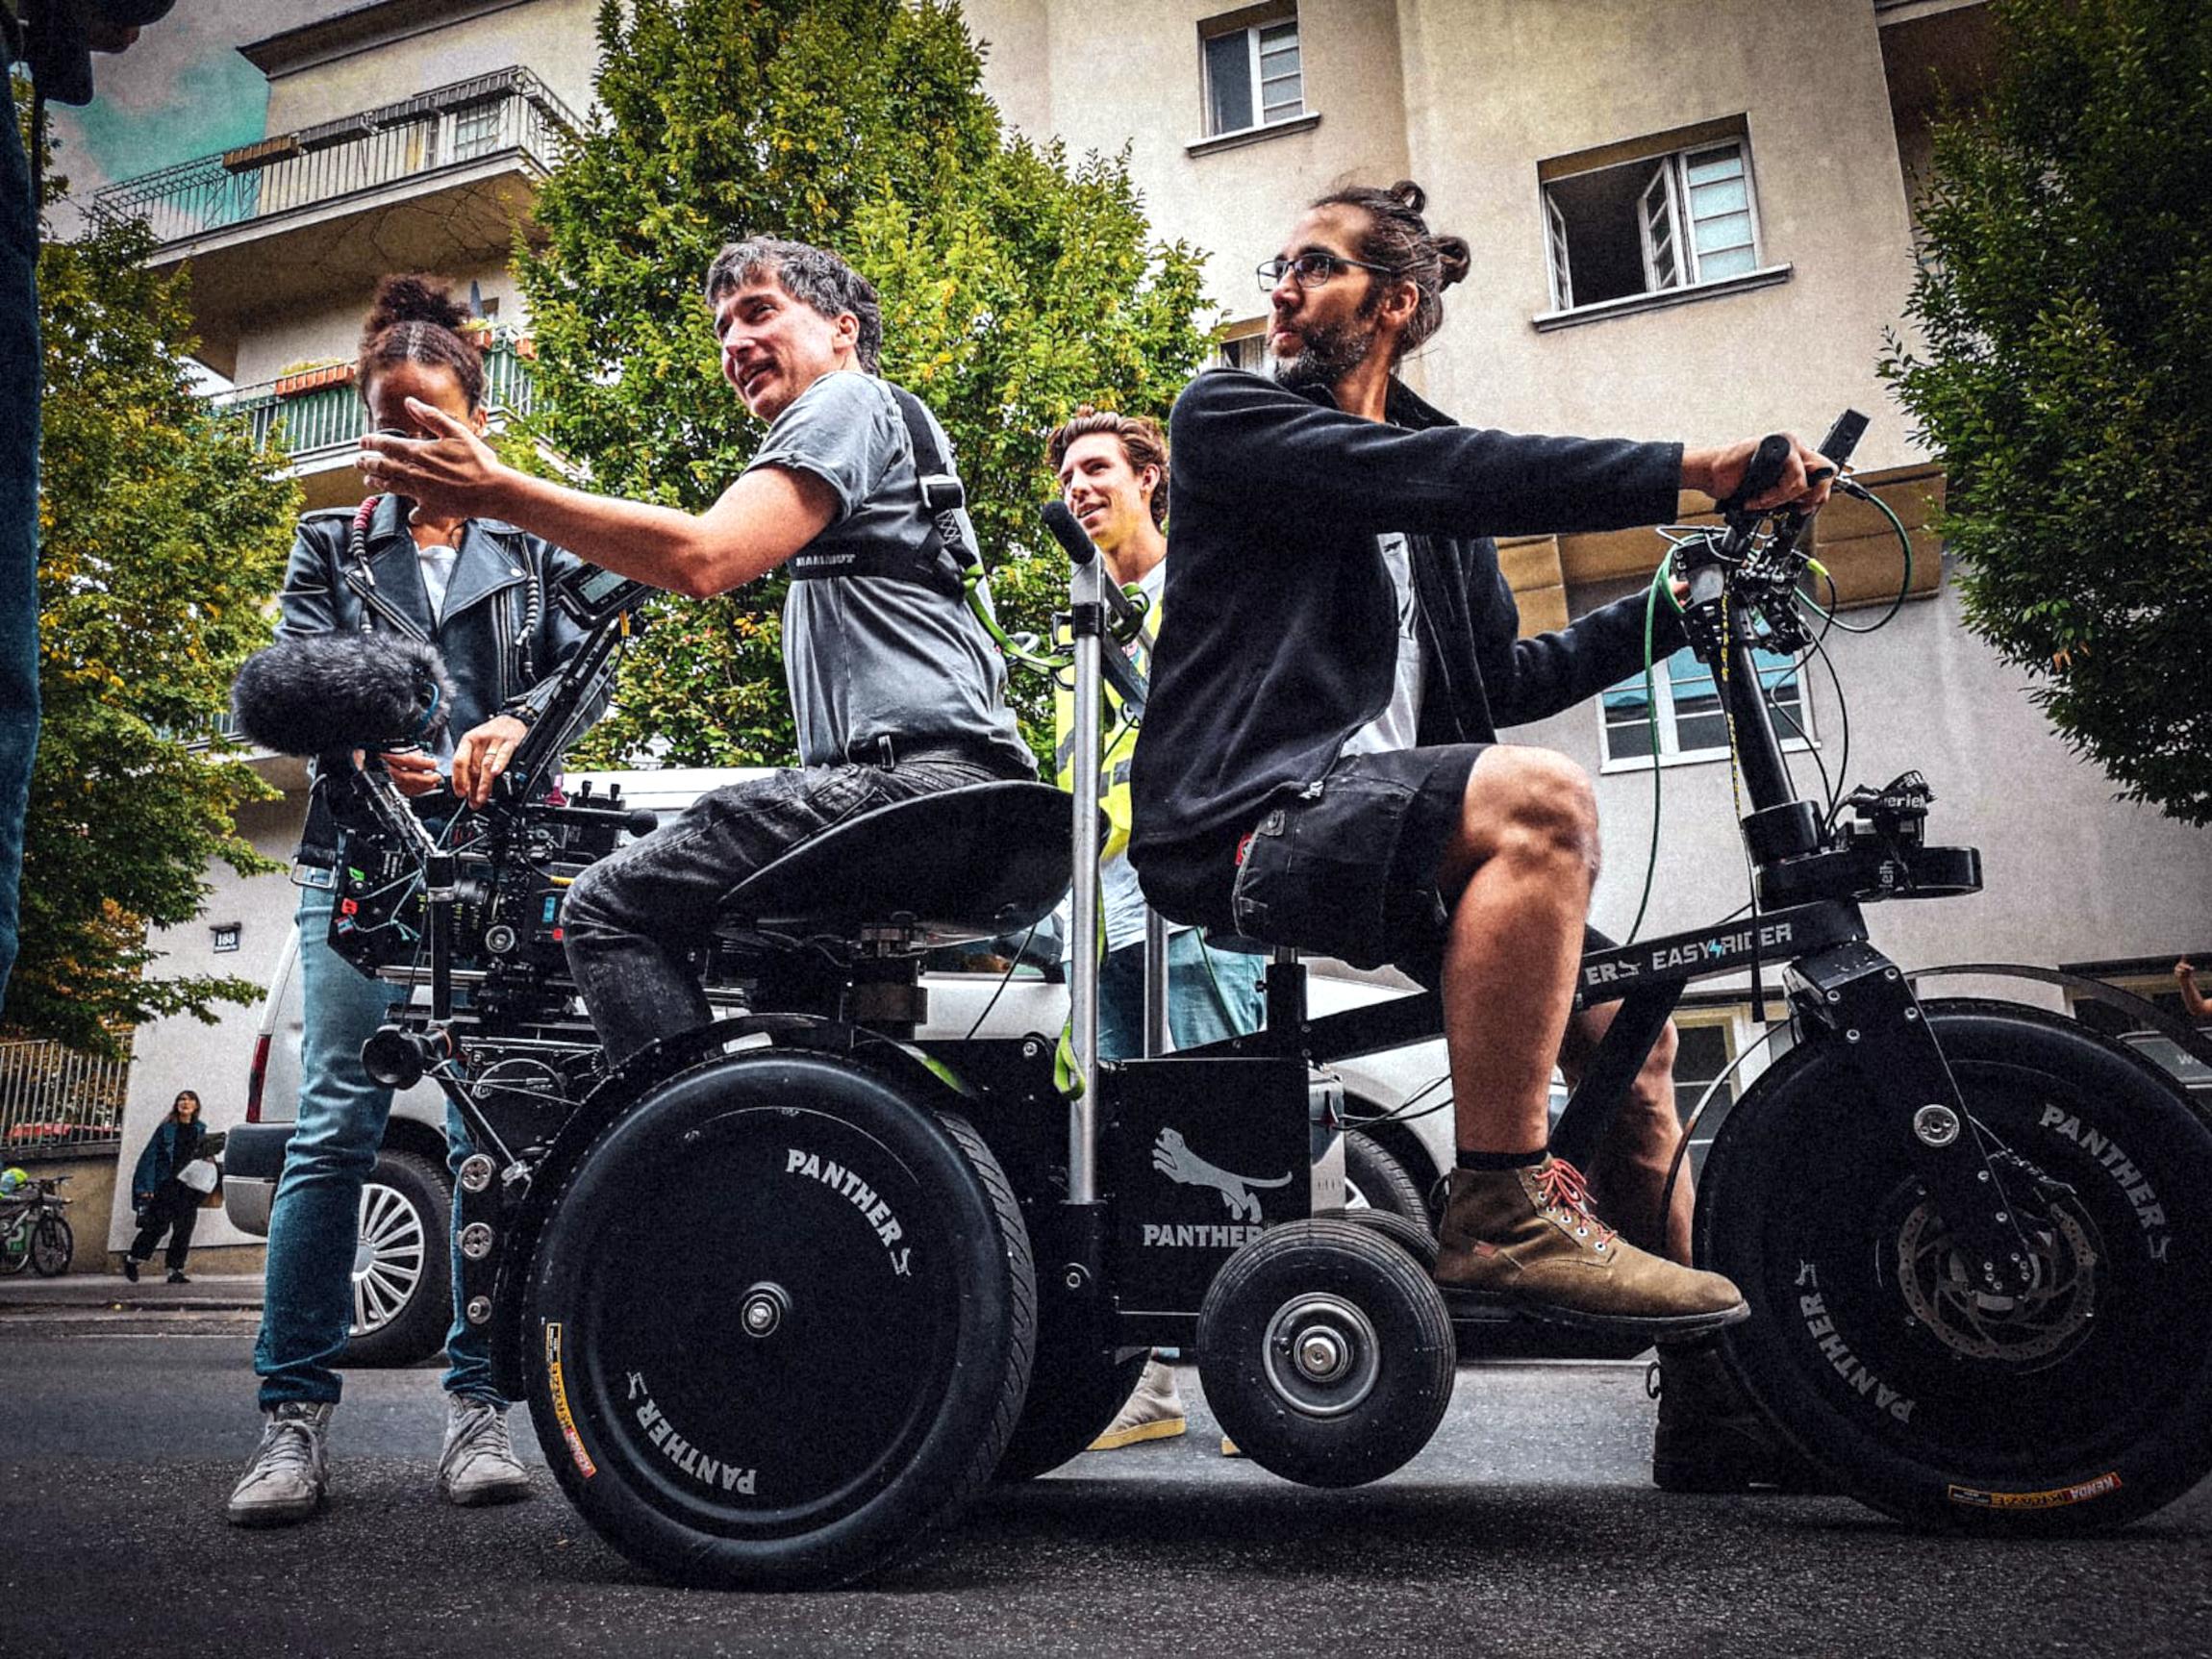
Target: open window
(1650, 216)
(1254, 74)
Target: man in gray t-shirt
(896, 689)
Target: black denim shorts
(1347, 867)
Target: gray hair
(812, 275)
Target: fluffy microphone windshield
(317, 694)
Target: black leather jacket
(502, 574)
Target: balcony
(431, 183)
(316, 417)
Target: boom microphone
(319, 693)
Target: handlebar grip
(1763, 472)
(1067, 533)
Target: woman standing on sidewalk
(162, 1204)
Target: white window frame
(1254, 83)
(1671, 752)
(1238, 339)
(1671, 265)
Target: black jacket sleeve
(1240, 436)
(308, 603)
(1535, 678)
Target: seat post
(1286, 992)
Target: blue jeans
(314, 1224)
(1210, 994)
(20, 381)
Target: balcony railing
(311, 422)
(445, 128)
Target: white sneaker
(1153, 1411)
(291, 1470)
(479, 1464)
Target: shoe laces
(1566, 1191)
(479, 1430)
(287, 1448)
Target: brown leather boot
(1525, 1240)
(1711, 1438)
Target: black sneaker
(176, 1276)
(131, 1269)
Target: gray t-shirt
(873, 656)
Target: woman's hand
(482, 754)
(452, 474)
(412, 771)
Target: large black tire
(779, 1324)
(1068, 1407)
(1383, 1375)
(402, 1264)
(2084, 1405)
(1375, 1180)
(53, 1246)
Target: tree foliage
(2065, 302)
(1014, 284)
(163, 533)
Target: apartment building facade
(1690, 219)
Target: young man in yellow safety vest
(1113, 471)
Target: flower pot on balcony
(305, 379)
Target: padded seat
(959, 864)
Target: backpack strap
(942, 557)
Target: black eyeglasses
(1312, 269)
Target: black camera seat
(942, 869)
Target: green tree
(162, 536)
(2065, 298)
(1014, 284)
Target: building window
(1666, 220)
(1253, 74)
(225, 934)
(1243, 346)
(1692, 724)
(476, 131)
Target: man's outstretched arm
(760, 521)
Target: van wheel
(1375, 1180)
(402, 1272)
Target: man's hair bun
(1408, 195)
(1455, 256)
(416, 298)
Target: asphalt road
(1527, 1527)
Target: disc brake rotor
(2050, 1316)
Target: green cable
(1860, 492)
(971, 584)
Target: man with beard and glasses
(1320, 763)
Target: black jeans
(633, 921)
(174, 1209)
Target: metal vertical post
(1087, 597)
(1156, 1039)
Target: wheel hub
(1322, 1358)
(763, 1309)
(2045, 1319)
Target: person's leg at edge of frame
(315, 1224)
(19, 382)
(1518, 1227)
(477, 1465)
(1154, 1409)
